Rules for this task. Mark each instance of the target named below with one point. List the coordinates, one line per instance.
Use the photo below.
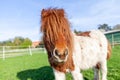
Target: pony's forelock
(53, 24)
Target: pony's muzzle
(60, 56)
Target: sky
(22, 17)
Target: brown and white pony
(68, 52)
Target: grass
(36, 67)
(24, 67)
(114, 64)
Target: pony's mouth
(58, 60)
(58, 57)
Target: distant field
(36, 67)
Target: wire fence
(12, 51)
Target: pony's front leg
(76, 74)
(59, 75)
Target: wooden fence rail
(6, 52)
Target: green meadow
(36, 67)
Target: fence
(12, 51)
(113, 37)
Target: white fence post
(3, 52)
(44, 50)
(30, 51)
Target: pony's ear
(43, 10)
(43, 13)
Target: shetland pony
(68, 52)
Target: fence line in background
(3, 53)
(11, 51)
(115, 41)
(30, 51)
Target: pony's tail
(109, 52)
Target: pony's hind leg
(104, 70)
(96, 73)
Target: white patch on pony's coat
(88, 51)
(59, 75)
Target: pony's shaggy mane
(53, 24)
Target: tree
(8, 43)
(18, 40)
(77, 32)
(104, 27)
(116, 27)
(26, 42)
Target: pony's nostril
(66, 52)
(60, 55)
(56, 52)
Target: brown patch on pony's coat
(54, 23)
(109, 50)
(86, 34)
(98, 66)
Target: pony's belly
(85, 61)
(88, 54)
(86, 64)
(89, 58)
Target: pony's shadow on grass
(85, 78)
(43, 73)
